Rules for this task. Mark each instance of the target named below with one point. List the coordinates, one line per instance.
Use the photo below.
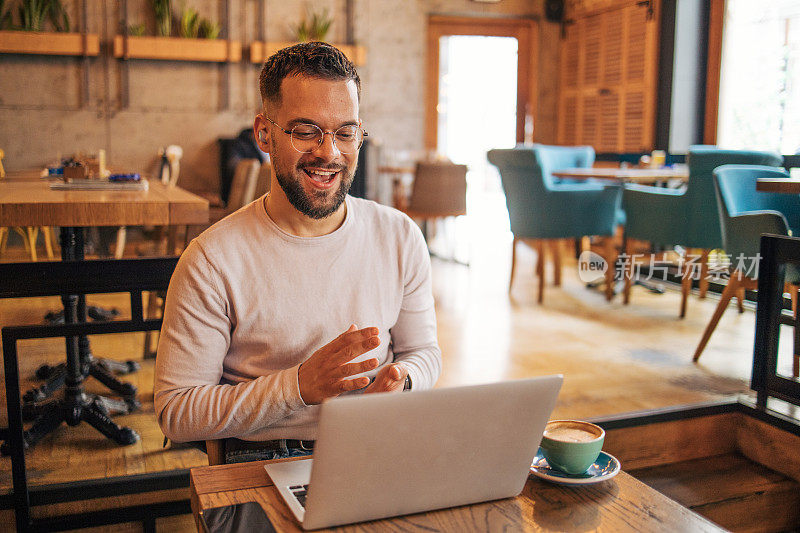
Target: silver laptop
(384, 455)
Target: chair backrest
(550, 158)
(703, 228)
(172, 169)
(439, 189)
(243, 187)
(737, 196)
(523, 185)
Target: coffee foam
(568, 431)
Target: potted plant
(314, 29)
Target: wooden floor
(614, 358)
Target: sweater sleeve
(414, 338)
(190, 402)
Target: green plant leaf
(189, 24)
(208, 29)
(58, 15)
(136, 30)
(163, 13)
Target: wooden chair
(745, 215)
(439, 191)
(687, 217)
(542, 210)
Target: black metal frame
(19, 280)
(776, 252)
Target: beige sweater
(248, 303)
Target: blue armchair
(688, 217)
(746, 214)
(541, 209)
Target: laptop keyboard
(299, 492)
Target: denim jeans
(256, 454)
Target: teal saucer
(605, 467)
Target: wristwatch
(407, 386)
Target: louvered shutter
(608, 76)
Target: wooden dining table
(619, 504)
(781, 185)
(626, 175)
(26, 199)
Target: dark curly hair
(313, 59)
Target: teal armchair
(688, 217)
(541, 209)
(746, 214)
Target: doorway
(480, 96)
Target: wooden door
(526, 33)
(607, 95)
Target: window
(759, 99)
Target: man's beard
(304, 202)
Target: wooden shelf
(49, 43)
(259, 51)
(178, 49)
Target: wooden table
(782, 185)
(620, 504)
(631, 175)
(27, 200)
(30, 202)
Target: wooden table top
(26, 200)
(636, 175)
(783, 185)
(620, 504)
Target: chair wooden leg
(149, 336)
(122, 235)
(513, 263)
(730, 289)
(47, 235)
(686, 288)
(33, 234)
(540, 269)
(611, 260)
(585, 243)
(704, 273)
(629, 272)
(555, 247)
(172, 239)
(3, 240)
(740, 299)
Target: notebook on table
(384, 455)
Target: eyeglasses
(308, 137)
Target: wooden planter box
(177, 49)
(49, 43)
(259, 51)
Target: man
(303, 295)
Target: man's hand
(325, 374)
(390, 378)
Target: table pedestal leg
(77, 406)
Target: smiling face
(314, 183)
